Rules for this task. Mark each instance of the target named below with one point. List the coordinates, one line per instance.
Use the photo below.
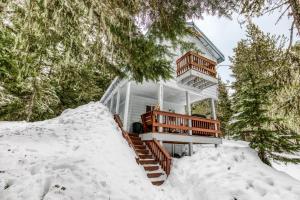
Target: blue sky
(225, 34)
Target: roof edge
(214, 48)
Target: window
(149, 108)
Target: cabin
(156, 117)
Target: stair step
(144, 162)
(137, 142)
(139, 146)
(151, 168)
(143, 151)
(133, 136)
(143, 156)
(157, 183)
(154, 175)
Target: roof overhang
(206, 42)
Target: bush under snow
(82, 155)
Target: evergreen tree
(60, 54)
(254, 63)
(261, 7)
(202, 107)
(224, 110)
(287, 97)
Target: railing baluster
(195, 61)
(179, 123)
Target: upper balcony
(196, 71)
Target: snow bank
(230, 172)
(82, 155)
(79, 155)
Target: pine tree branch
(282, 14)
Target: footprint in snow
(249, 184)
(103, 183)
(289, 188)
(270, 181)
(75, 147)
(35, 169)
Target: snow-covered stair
(154, 172)
(148, 154)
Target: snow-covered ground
(82, 155)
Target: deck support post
(126, 110)
(111, 103)
(160, 103)
(118, 101)
(189, 112)
(173, 149)
(213, 112)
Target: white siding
(138, 104)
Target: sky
(225, 34)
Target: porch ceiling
(171, 94)
(147, 90)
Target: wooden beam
(186, 80)
(200, 82)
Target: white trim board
(171, 137)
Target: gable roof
(207, 43)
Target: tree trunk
(295, 6)
(262, 155)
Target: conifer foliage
(224, 107)
(255, 63)
(58, 54)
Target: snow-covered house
(172, 125)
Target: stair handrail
(161, 155)
(125, 134)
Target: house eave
(205, 39)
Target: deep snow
(82, 155)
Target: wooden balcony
(193, 60)
(196, 71)
(161, 121)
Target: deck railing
(161, 121)
(161, 155)
(193, 60)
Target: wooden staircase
(155, 160)
(152, 167)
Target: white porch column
(213, 112)
(118, 100)
(126, 110)
(160, 103)
(189, 112)
(188, 102)
(213, 109)
(111, 103)
(173, 149)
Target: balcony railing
(192, 60)
(178, 123)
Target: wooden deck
(161, 121)
(193, 60)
